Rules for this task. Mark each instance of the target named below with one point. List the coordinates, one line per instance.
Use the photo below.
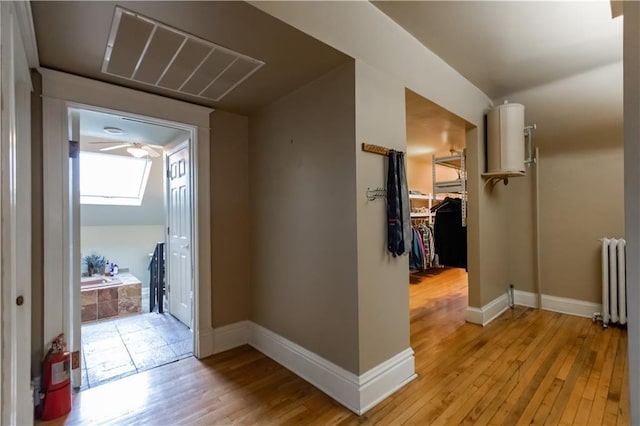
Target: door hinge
(167, 230)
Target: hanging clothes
(416, 256)
(426, 231)
(450, 235)
(399, 233)
(407, 230)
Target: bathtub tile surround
(118, 347)
(130, 299)
(110, 297)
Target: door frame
(17, 47)
(172, 148)
(60, 91)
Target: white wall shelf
(458, 186)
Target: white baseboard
(488, 312)
(563, 305)
(524, 298)
(385, 379)
(204, 344)
(357, 393)
(230, 336)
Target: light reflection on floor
(117, 348)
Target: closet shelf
(421, 214)
(452, 161)
(420, 197)
(450, 186)
(498, 175)
(458, 186)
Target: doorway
(130, 319)
(61, 250)
(436, 177)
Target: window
(112, 179)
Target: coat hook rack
(375, 193)
(375, 149)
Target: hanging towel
(399, 233)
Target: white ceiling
(72, 36)
(508, 46)
(561, 59)
(92, 124)
(529, 51)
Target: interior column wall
(383, 280)
(362, 31)
(303, 218)
(231, 239)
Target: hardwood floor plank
(545, 377)
(596, 416)
(537, 358)
(623, 412)
(580, 362)
(616, 389)
(526, 367)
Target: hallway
(526, 366)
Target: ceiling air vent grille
(146, 51)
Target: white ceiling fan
(136, 149)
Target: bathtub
(108, 297)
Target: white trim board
(488, 312)
(357, 393)
(230, 336)
(62, 91)
(27, 31)
(562, 305)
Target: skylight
(112, 179)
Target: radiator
(614, 286)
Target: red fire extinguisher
(56, 381)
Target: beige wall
(521, 224)
(383, 280)
(581, 184)
(420, 173)
(362, 31)
(303, 218)
(230, 237)
(581, 201)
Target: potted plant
(95, 264)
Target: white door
(178, 262)
(15, 189)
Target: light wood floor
(526, 367)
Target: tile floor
(120, 347)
